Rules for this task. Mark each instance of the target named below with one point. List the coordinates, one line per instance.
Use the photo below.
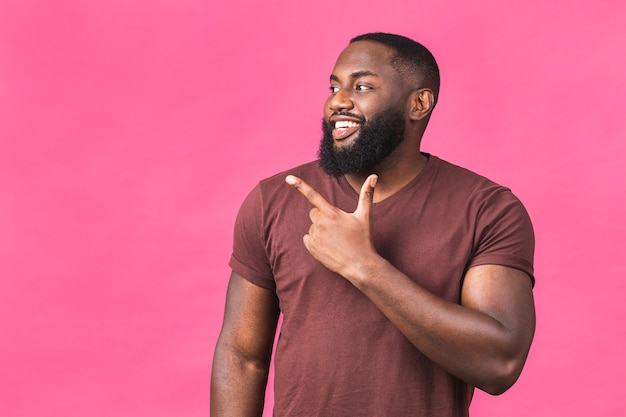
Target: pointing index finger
(309, 192)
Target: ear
(421, 103)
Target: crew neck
(431, 161)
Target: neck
(394, 173)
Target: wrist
(361, 274)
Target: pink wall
(130, 132)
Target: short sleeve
(249, 257)
(504, 233)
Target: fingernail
(289, 179)
(373, 181)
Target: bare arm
(244, 348)
(483, 341)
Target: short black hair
(411, 58)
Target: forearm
(470, 344)
(237, 385)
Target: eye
(361, 87)
(334, 89)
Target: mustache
(348, 114)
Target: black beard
(378, 138)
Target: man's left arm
(484, 340)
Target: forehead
(365, 56)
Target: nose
(341, 100)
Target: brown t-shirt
(337, 355)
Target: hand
(340, 241)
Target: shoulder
(468, 185)
(455, 174)
(269, 199)
(502, 229)
(309, 169)
(479, 197)
(273, 191)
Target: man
(398, 307)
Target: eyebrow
(356, 74)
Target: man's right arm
(244, 349)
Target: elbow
(502, 377)
(496, 387)
(504, 368)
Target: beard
(378, 138)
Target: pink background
(130, 131)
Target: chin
(346, 142)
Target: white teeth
(345, 124)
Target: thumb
(366, 197)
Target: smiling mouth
(345, 128)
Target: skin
(484, 340)
(244, 348)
